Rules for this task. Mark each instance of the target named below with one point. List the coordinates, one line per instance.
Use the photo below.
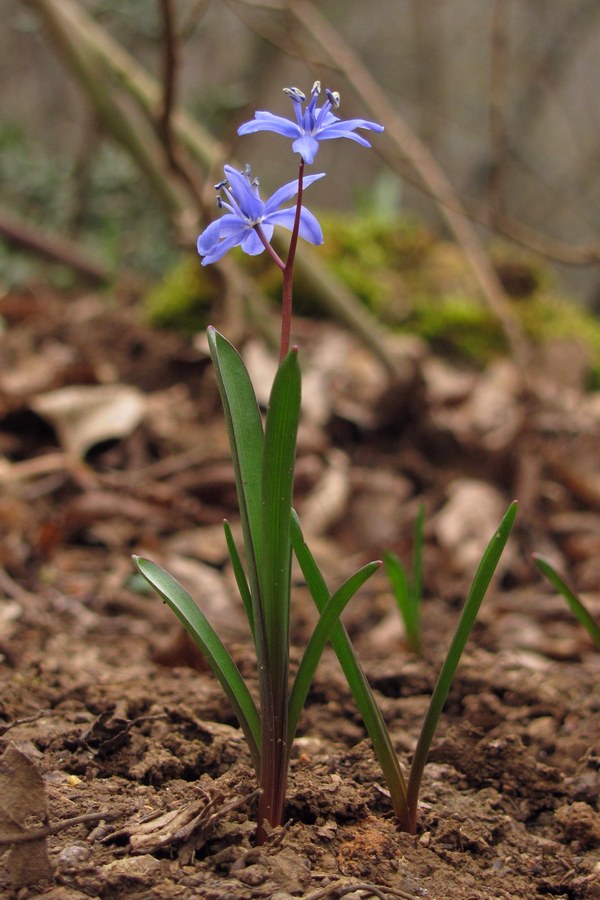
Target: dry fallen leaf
(85, 415)
(23, 807)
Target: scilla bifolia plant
(263, 460)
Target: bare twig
(341, 888)
(36, 834)
(26, 720)
(498, 85)
(176, 159)
(35, 240)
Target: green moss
(409, 280)
(184, 298)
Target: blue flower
(313, 124)
(246, 210)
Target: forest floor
(118, 745)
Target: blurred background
(499, 96)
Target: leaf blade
(318, 640)
(357, 681)
(579, 610)
(479, 586)
(212, 648)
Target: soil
(123, 773)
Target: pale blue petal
(307, 147)
(209, 238)
(252, 244)
(309, 228)
(266, 121)
(330, 135)
(241, 188)
(288, 191)
(352, 124)
(222, 247)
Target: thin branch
(498, 98)
(35, 240)
(36, 834)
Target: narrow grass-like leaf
(408, 592)
(403, 595)
(279, 452)
(240, 576)
(581, 613)
(244, 426)
(357, 682)
(480, 584)
(314, 649)
(212, 648)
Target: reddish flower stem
(288, 272)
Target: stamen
(247, 170)
(316, 88)
(334, 98)
(220, 202)
(220, 185)
(295, 93)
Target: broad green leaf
(318, 640)
(279, 455)
(480, 584)
(244, 426)
(581, 613)
(359, 686)
(211, 646)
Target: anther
(316, 88)
(295, 93)
(220, 185)
(334, 98)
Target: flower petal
(351, 124)
(333, 135)
(289, 190)
(252, 244)
(209, 238)
(251, 207)
(309, 228)
(307, 147)
(222, 247)
(266, 121)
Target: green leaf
(213, 649)
(240, 576)
(361, 691)
(404, 598)
(408, 593)
(244, 426)
(279, 454)
(480, 584)
(581, 613)
(314, 649)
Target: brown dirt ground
(146, 785)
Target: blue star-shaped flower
(313, 124)
(246, 210)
